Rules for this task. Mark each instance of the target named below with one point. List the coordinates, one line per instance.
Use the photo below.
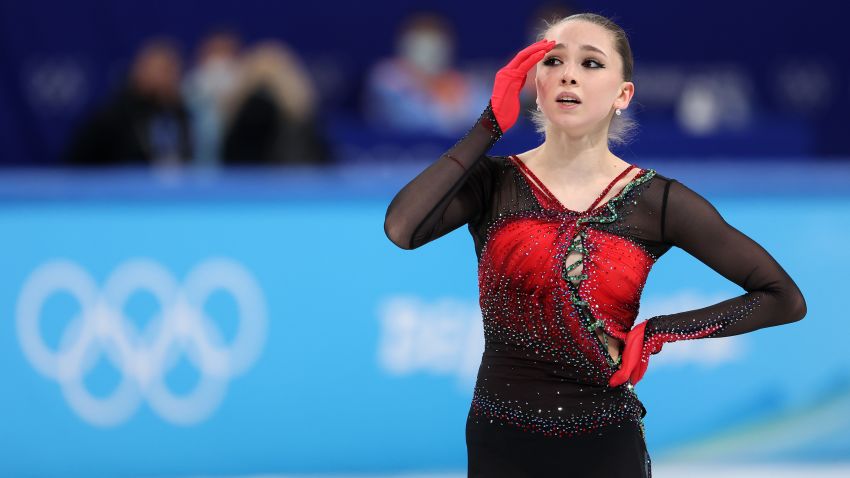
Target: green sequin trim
(611, 206)
(577, 244)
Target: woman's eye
(551, 62)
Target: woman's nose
(567, 75)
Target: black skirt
(612, 451)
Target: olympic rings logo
(143, 357)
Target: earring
(538, 107)
(618, 112)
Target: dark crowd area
(244, 84)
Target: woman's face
(575, 66)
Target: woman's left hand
(632, 367)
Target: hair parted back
(622, 126)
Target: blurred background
(196, 281)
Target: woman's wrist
(652, 340)
(488, 120)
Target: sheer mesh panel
(538, 372)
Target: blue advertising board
(265, 324)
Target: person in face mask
(427, 48)
(418, 90)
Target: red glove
(635, 357)
(510, 80)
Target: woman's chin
(571, 128)
(573, 125)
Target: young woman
(565, 235)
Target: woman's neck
(583, 159)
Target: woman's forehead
(578, 33)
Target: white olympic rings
(143, 357)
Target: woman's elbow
(797, 308)
(802, 309)
(397, 235)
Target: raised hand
(510, 80)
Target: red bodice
(528, 293)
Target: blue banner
(261, 331)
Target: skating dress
(551, 278)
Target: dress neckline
(553, 199)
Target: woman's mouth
(568, 100)
(567, 105)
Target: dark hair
(621, 128)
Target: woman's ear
(627, 92)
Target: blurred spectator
(271, 118)
(206, 89)
(418, 90)
(715, 101)
(145, 122)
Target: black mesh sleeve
(450, 192)
(772, 298)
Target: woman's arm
(454, 190)
(772, 298)
(448, 193)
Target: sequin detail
(539, 327)
(660, 330)
(488, 120)
(577, 244)
(550, 421)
